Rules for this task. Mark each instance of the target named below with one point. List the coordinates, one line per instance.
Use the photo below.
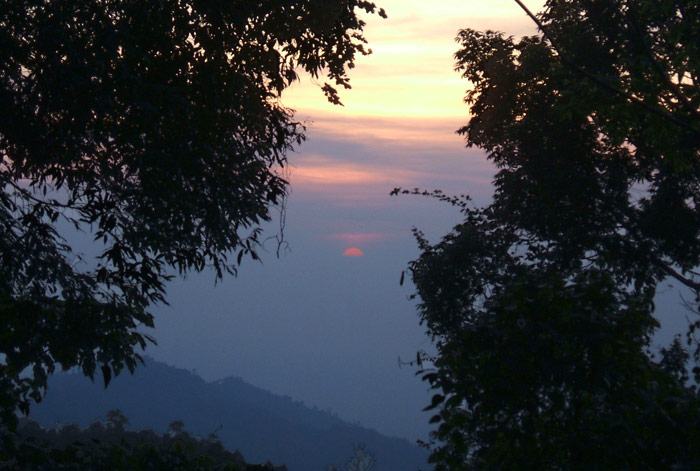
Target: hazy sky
(314, 324)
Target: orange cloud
(412, 134)
(340, 174)
(347, 180)
(431, 164)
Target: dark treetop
(157, 127)
(541, 304)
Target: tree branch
(626, 95)
(55, 203)
(694, 285)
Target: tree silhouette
(541, 304)
(100, 447)
(361, 460)
(156, 127)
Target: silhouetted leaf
(106, 374)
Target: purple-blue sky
(316, 325)
(319, 326)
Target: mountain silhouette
(261, 425)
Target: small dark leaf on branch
(106, 374)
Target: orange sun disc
(353, 252)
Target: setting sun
(353, 252)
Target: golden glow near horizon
(410, 73)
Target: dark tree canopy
(541, 304)
(108, 445)
(156, 127)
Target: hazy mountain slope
(263, 426)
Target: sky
(327, 321)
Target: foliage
(541, 303)
(157, 128)
(361, 460)
(107, 445)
